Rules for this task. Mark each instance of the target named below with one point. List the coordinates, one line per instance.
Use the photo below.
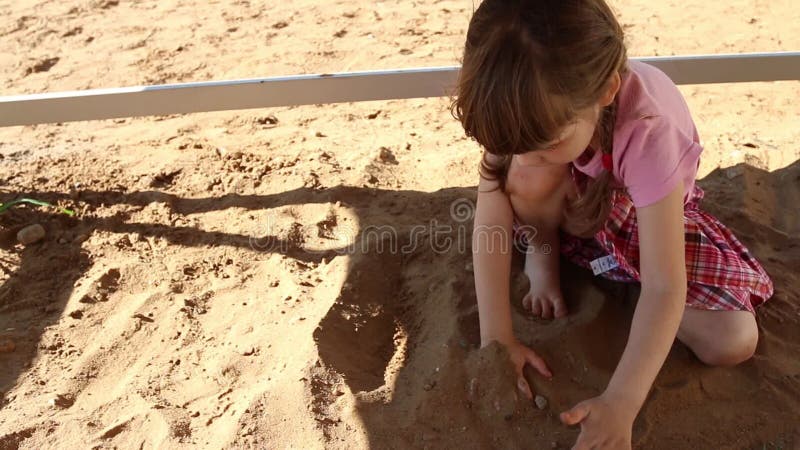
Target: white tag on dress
(604, 264)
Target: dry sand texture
(200, 297)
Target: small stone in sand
(472, 389)
(30, 234)
(541, 402)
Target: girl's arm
(661, 302)
(609, 418)
(491, 256)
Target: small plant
(6, 206)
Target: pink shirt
(655, 139)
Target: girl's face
(572, 141)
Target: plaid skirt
(721, 273)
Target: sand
(209, 294)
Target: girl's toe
(536, 307)
(546, 309)
(560, 308)
(526, 302)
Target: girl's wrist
(626, 401)
(502, 338)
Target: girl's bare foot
(544, 298)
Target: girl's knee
(538, 194)
(734, 345)
(536, 183)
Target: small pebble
(541, 402)
(472, 389)
(733, 172)
(30, 234)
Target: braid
(607, 122)
(587, 214)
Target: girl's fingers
(526, 302)
(523, 386)
(537, 363)
(560, 307)
(575, 415)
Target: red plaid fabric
(721, 272)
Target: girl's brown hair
(528, 67)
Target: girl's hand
(605, 423)
(521, 355)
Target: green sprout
(5, 206)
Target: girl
(597, 155)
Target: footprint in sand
(362, 321)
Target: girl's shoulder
(651, 154)
(647, 92)
(655, 139)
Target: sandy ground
(213, 290)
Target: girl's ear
(613, 87)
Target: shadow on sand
(403, 331)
